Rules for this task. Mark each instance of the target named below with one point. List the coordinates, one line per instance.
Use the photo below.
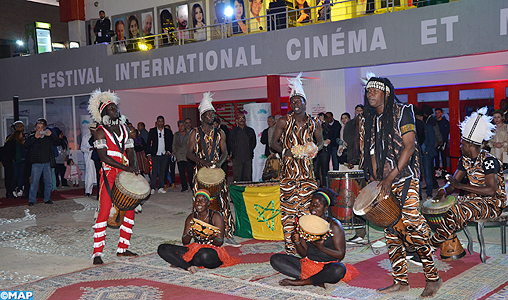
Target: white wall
(326, 93)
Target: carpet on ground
(150, 277)
(59, 195)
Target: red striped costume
(105, 201)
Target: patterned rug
(149, 277)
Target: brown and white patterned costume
(412, 230)
(223, 199)
(473, 207)
(297, 177)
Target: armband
(129, 144)
(100, 144)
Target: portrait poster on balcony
(239, 24)
(256, 9)
(182, 18)
(147, 22)
(167, 26)
(303, 13)
(198, 21)
(133, 26)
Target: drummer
(115, 149)
(389, 155)
(205, 251)
(486, 196)
(207, 147)
(321, 262)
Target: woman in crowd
(342, 150)
(499, 142)
(139, 148)
(205, 251)
(198, 22)
(322, 160)
(321, 262)
(63, 155)
(16, 152)
(238, 16)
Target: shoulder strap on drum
(208, 157)
(120, 148)
(106, 183)
(214, 143)
(405, 189)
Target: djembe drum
(382, 211)
(212, 180)
(313, 228)
(347, 183)
(434, 213)
(128, 192)
(204, 230)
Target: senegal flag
(257, 212)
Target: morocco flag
(257, 212)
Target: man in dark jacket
(266, 136)
(242, 141)
(102, 28)
(333, 135)
(159, 144)
(42, 157)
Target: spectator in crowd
(63, 152)
(95, 157)
(322, 160)
(351, 136)
(342, 148)
(102, 28)
(217, 123)
(267, 134)
(442, 149)
(8, 162)
(180, 144)
(42, 157)
(242, 141)
(160, 141)
(72, 172)
(143, 133)
(499, 142)
(188, 124)
(333, 135)
(171, 164)
(140, 149)
(428, 153)
(87, 150)
(503, 106)
(428, 118)
(15, 155)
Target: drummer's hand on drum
(295, 237)
(439, 196)
(206, 163)
(132, 169)
(320, 244)
(453, 181)
(386, 186)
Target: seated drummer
(321, 262)
(487, 197)
(204, 252)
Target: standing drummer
(115, 150)
(486, 196)
(389, 155)
(297, 182)
(205, 144)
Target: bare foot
(193, 269)
(396, 287)
(296, 282)
(97, 260)
(127, 253)
(431, 288)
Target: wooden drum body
(203, 229)
(348, 185)
(434, 212)
(383, 212)
(211, 179)
(127, 193)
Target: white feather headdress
(477, 127)
(296, 86)
(206, 104)
(98, 101)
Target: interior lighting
(20, 42)
(228, 11)
(143, 47)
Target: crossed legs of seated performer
(413, 230)
(101, 223)
(205, 257)
(290, 265)
(467, 208)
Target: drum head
(313, 224)
(136, 184)
(366, 196)
(430, 207)
(204, 229)
(210, 175)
